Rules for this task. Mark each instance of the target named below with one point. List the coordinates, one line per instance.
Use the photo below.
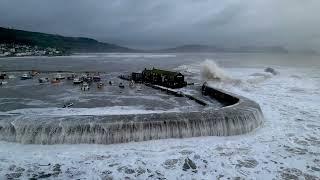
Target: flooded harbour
(20, 96)
(30, 94)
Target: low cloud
(152, 24)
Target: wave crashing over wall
(240, 115)
(211, 71)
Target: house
(137, 77)
(163, 77)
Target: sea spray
(218, 77)
(210, 71)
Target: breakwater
(239, 116)
(179, 94)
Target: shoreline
(32, 56)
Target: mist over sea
(119, 62)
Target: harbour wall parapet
(239, 116)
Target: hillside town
(18, 50)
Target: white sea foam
(287, 146)
(140, 55)
(98, 111)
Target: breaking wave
(218, 77)
(210, 71)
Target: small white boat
(25, 76)
(96, 78)
(59, 77)
(3, 83)
(77, 81)
(85, 86)
(11, 76)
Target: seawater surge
(239, 115)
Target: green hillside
(68, 44)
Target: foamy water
(287, 146)
(98, 111)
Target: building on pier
(160, 77)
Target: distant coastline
(56, 44)
(19, 43)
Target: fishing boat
(25, 76)
(43, 80)
(85, 86)
(77, 81)
(55, 81)
(96, 78)
(59, 77)
(121, 85)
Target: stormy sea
(286, 146)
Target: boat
(88, 79)
(3, 75)
(100, 85)
(11, 76)
(25, 76)
(77, 81)
(43, 80)
(3, 83)
(55, 81)
(71, 77)
(67, 105)
(59, 77)
(121, 85)
(85, 86)
(96, 78)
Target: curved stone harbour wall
(240, 116)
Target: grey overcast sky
(166, 23)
